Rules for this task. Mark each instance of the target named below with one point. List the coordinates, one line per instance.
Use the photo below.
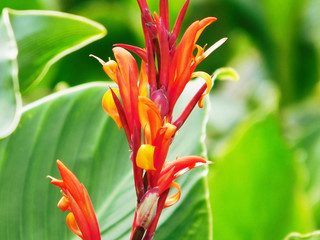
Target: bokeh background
(263, 132)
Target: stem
(137, 172)
(186, 112)
(138, 233)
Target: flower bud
(161, 101)
(147, 209)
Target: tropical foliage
(262, 133)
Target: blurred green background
(263, 133)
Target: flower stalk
(144, 102)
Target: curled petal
(64, 204)
(208, 80)
(110, 107)
(199, 56)
(71, 222)
(170, 201)
(145, 157)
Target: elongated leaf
(73, 127)
(255, 186)
(40, 38)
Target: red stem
(186, 112)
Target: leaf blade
(67, 126)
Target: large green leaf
(73, 127)
(256, 188)
(40, 38)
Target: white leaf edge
(103, 32)
(302, 236)
(6, 12)
(4, 132)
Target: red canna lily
(81, 220)
(143, 104)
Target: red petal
(178, 23)
(139, 51)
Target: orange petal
(170, 131)
(170, 201)
(145, 157)
(128, 84)
(71, 222)
(63, 204)
(71, 182)
(143, 82)
(110, 69)
(110, 107)
(183, 54)
(80, 205)
(150, 118)
(127, 65)
(57, 182)
(202, 25)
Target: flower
(143, 105)
(82, 219)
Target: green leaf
(255, 185)
(72, 126)
(40, 38)
(309, 236)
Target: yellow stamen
(145, 157)
(110, 107)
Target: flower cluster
(143, 103)
(81, 220)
